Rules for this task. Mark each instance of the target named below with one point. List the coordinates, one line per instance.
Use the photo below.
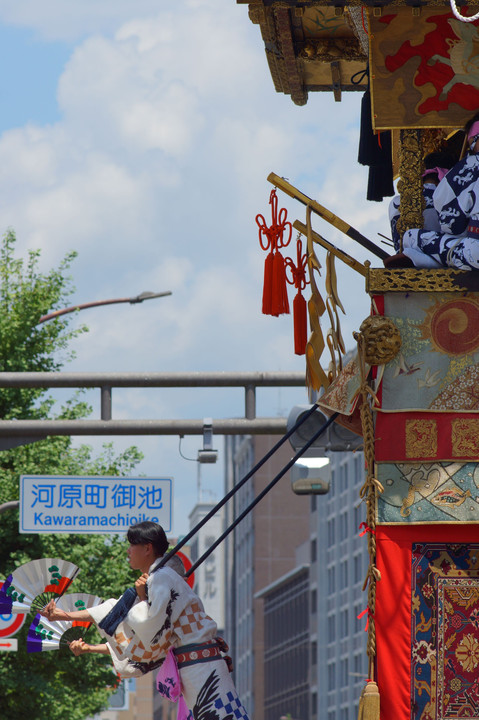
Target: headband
(438, 170)
(473, 130)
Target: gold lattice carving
(382, 339)
(410, 184)
(381, 280)
(433, 139)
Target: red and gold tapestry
(427, 622)
(423, 436)
(424, 68)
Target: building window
(314, 703)
(358, 516)
(331, 532)
(314, 554)
(314, 653)
(331, 676)
(331, 628)
(344, 671)
(357, 569)
(343, 477)
(358, 667)
(343, 569)
(344, 623)
(358, 469)
(331, 580)
(314, 601)
(314, 501)
(343, 526)
(360, 619)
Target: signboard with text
(70, 504)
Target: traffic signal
(336, 438)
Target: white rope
(460, 17)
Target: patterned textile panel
(427, 623)
(437, 368)
(426, 437)
(428, 493)
(423, 68)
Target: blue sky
(28, 89)
(141, 135)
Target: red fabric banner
(394, 609)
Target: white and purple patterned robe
(456, 200)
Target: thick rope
(460, 17)
(368, 493)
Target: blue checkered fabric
(232, 706)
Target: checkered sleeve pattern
(231, 704)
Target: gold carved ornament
(410, 185)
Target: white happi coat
(173, 616)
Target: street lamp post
(132, 300)
(56, 313)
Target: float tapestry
(424, 68)
(428, 492)
(445, 631)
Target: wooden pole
(327, 215)
(354, 264)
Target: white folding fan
(35, 583)
(46, 634)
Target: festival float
(412, 390)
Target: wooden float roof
(321, 46)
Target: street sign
(8, 644)
(71, 504)
(10, 624)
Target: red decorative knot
(271, 238)
(367, 529)
(368, 611)
(298, 279)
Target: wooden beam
(327, 215)
(336, 80)
(317, 238)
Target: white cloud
(155, 172)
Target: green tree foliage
(51, 685)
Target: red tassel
(300, 324)
(275, 295)
(268, 284)
(298, 279)
(279, 294)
